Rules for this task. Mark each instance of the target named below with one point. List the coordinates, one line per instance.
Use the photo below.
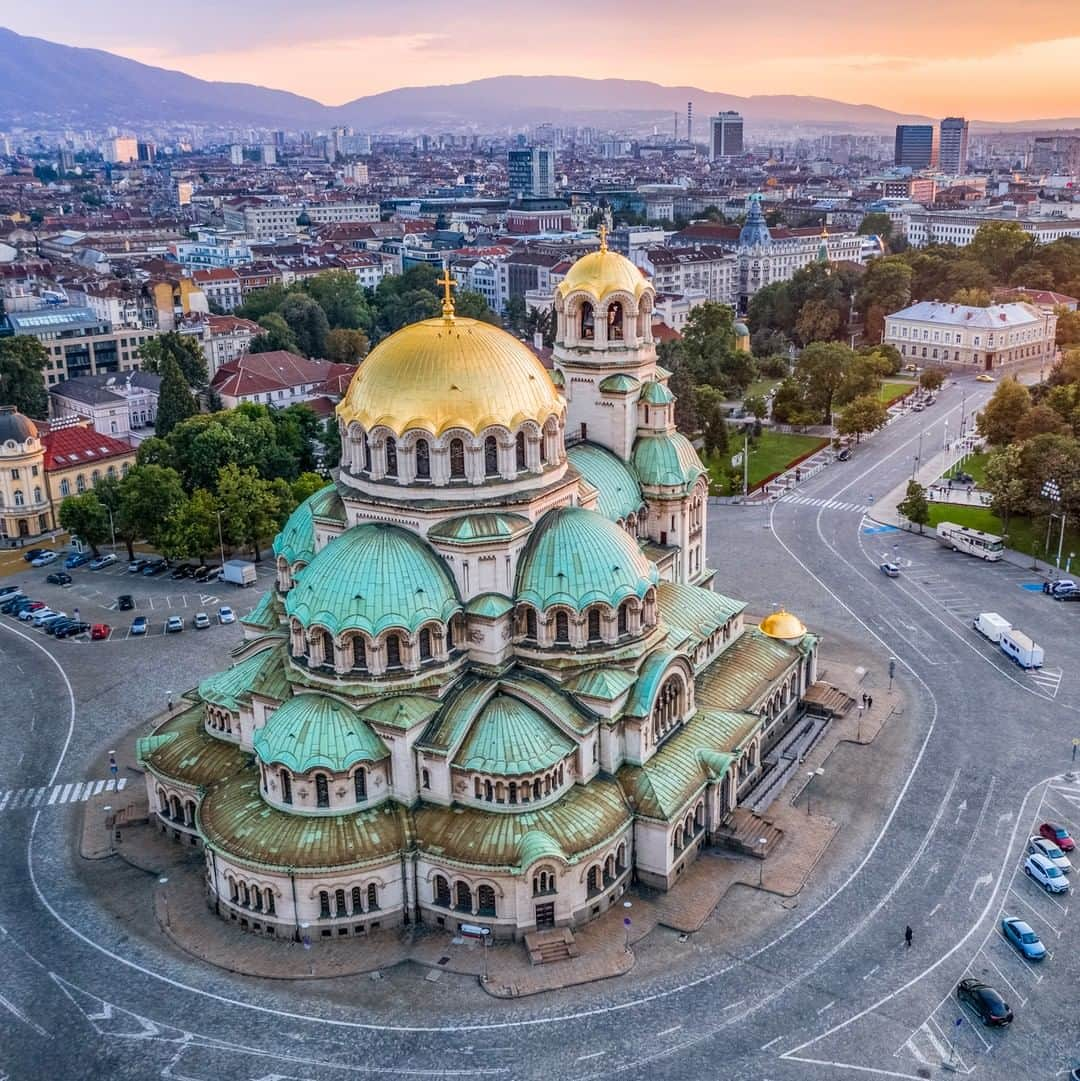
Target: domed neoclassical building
(493, 681)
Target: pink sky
(991, 59)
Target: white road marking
(593, 1054)
(669, 1031)
(872, 971)
(982, 880)
(827, 1006)
(50, 795)
(14, 1010)
(1023, 1000)
(774, 1040)
(1027, 904)
(933, 911)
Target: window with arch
(322, 790)
(562, 628)
(20, 499)
(425, 778)
(423, 459)
(339, 903)
(457, 459)
(324, 905)
(372, 896)
(530, 623)
(234, 891)
(393, 651)
(543, 882)
(65, 487)
(365, 454)
(594, 624)
(80, 483)
(37, 495)
(425, 645)
(442, 892)
(95, 477)
(391, 457)
(491, 456)
(485, 901)
(357, 900)
(286, 786)
(463, 898)
(269, 901)
(360, 785)
(359, 653)
(592, 881)
(519, 451)
(615, 322)
(624, 618)
(586, 324)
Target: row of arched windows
(251, 895)
(604, 874)
(95, 479)
(392, 651)
(669, 707)
(220, 720)
(178, 811)
(524, 791)
(630, 618)
(338, 903)
(687, 830)
(461, 897)
(322, 786)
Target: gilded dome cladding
(603, 272)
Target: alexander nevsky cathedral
(494, 682)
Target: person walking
(908, 935)
(869, 701)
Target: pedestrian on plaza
(869, 701)
(908, 935)
(864, 699)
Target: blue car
(1020, 935)
(77, 559)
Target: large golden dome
(447, 373)
(602, 273)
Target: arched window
(442, 892)
(615, 322)
(359, 653)
(339, 903)
(592, 882)
(269, 901)
(95, 477)
(624, 623)
(372, 896)
(485, 901)
(65, 487)
(391, 457)
(587, 322)
(324, 905)
(322, 790)
(360, 785)
(594, 624)
(37, 495)
(489, 791)
(425, 778)
(544, 882)
(80, 483)
(20, 499)
(423, 459)
(491, 456)
(519, 451)
(327, 643)
(365, 462)
(457, 459)
(256, 899)
(357, 899)
(562, 628)
(425, 645)
(245, 895)
(286, 787)
(393, 651)
(234, 891)
(464, 897)
(530, 623)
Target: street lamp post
(763, 841)
(811, 775)
(165, 899)
(1051, 490)
(221, 541)
(627, 922)
(112, 527)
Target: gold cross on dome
(448, 298)
(603, 236)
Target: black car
(71, 628)
(58, 578)
(155, 566)
(13, 608)
(185, 570)
(843, 454)
(125, 602)
(56, 626)
(33, 553)
(985, 1001)
(203, 573)
(6, 591)
(9, 604)
(1066, 595)
(962, 478)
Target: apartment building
(259, 220)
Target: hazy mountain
(42, 83)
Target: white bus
(972, 541)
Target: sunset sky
(991, 60)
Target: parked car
(58, 578)
(26, 611)
(174, 625)
(961, 478)
(1040, 870)
(985, 1001)
(1066, 595)
(226, 615)
(42, 614)
(77, 559)
(983, 377)
(125, 602)
(105, 560)
(13, 602)
(207, 574)
(1059, 835)
(199, 573)
(1051, 851)
(136, 565)
(890, 570)
(155, 566)
(1064, 585)
(31, 554)
(51, 626)
(6, 591)
(138, 625)
(1019, 934)
(200, 621)
(184, 570)
(70, 630)
(44, 559)
(100, 631)
(844, 454)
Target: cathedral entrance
(545, 916)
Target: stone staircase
(554, 944)
(825, 700)
(742, 831)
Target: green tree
(305, 486)
(175, 401)
(1001, 246)
(471, 305)
(914, 507)
(997, 422)
(757, 405)
(862, 415)
(277, 334)
(886, 287)
(184, 349)
(973, 297)
(1040, 419)
(342, 300)
(150, 495)
(85, 517)
(252, 509)
(192, 529)
(516, 313)
(344, 346)
(682, 386)
(1005, 482)
(876, 224)
(931, 379)
(308, 323)
(821, 370)
(715, 432)
(329, 440)
(1068, 328)
(261, 302)
(862, 375)
(818, 321)
(22, 384)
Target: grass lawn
(760, 387)
(1024, 535)
(975, 464)
(772, 454)
(893, 389)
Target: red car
(1059, 835)
(100, 631)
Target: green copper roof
(326, 503)
(654, 393)
(490, 605)
(605, 684)
(557, 378)
(511, 738)
(619, 383)
(371, 578)
(226, 689)
(583, 820)
(578, 557)
(296, 541)
(648, 682)
(182, 750)
(744, 671)
(478, 528)
(620, 493)
(265, 614)
(661, 374)
(235, 820)
(666, 460)
(313, 730)
(402, 711)
(693, 610)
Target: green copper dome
(666, 460)
(654, 393)
(311, 731)
(371, 578)
(510, 738)
(620, 493)
(578, 557)
(619, 383)
(296, 541)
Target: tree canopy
(22, 361)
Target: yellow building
(25, 508)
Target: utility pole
(745, 465)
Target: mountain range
(43, 84)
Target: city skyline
(1005, 70)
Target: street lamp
(1051, 490)
(221, 542)
(626, 924)
(763, 841)
(811, 775)
(165, 899)
(112, 527)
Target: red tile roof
(257, 373)
(79, 445)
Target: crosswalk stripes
(828, 504)
(15, 799)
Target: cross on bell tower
(448, 298)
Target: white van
(1020, 648)
(991, 625)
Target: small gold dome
(602, 273)
(450, 373)
(782, 625)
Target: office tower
(531, 172)
(725, 135)
(236, 154)
(915, 145)
(269, 154)
(689, 121)
(952, 152)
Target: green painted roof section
(478, 528)
(619, 383)
(557, 378)
(371, 578)
(401, 711)
(146, 745)
(661, 374)
(694, 612)
(265, 614)
(255, 674)
(510, 738)
(296, 541)
(699, 752)
(182, 750)
(654, 393)
(666, 460)
(620, 493)
(742, 673)
(584, 819)
(490, 605)
(605, 684)
(313, 730)
(578, 557)
(639, 704)
(235, 820)
(326, 503)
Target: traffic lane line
(1024, 901)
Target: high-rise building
(236, 154)
(122, 149)
(953, 146)
(725, 135)
(531, 172)
(269, 154)
(915, 145)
